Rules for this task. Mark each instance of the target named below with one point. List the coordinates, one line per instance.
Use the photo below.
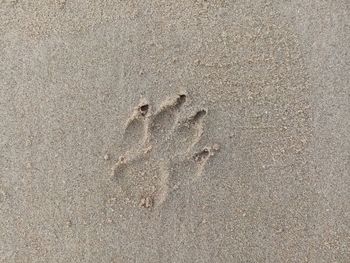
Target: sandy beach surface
(175, 131)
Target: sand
(174, 131)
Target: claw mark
(173, 103)
(202, 155)
(181, 99)
(143, 109)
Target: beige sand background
(87, 177)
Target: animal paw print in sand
(159, 157)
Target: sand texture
(175, 131)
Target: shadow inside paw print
(159, 156)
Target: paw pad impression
(160, 153)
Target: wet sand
(192, 131)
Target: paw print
(159, 158)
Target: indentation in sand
(159, 153)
